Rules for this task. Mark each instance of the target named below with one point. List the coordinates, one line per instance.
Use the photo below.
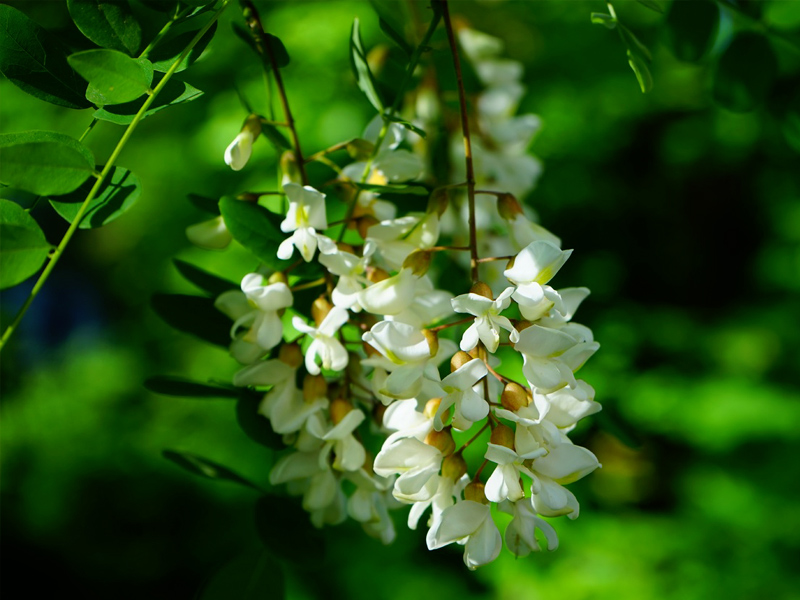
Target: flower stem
(473, 438)
(59, 251)
(453, 324)
(462, 101)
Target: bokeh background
(685, 220)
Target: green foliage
(44, 162)
(108, 23)
(255, 228)
(34, 61)
(745, 73)
(391, 22)
(212, 284)
(691, 27)
(273, 42)
(171, 47)
(252, 575)
(23, 247)
(117, 195)
(195, 315)
(358, 61)
(175, 92)
(114, 77)
(169, 385)
(204, 467)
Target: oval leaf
(175, 92)
(168, 385)
(195, 315)
(253, 575)
(203, 279)
(23, 247)
(171, 47)
(691, 28)
(745, 72)
(119, 192)
(255, 228)
(44, 162)
(25, 199)
(108, 23)
(641, 71)
(206, 468)
(35, 61)
(113, 77)
(364, 77)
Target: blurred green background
(685, 220)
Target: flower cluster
(365, 356)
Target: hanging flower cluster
(379, 380)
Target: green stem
(166, 28)
(56, 255)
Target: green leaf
(206, 468)
(254, 424)
(633, 43)
(25, 199)
(408, 125)
(255, 228)
(286, 531)
(274, 135)
(209, 205)
(114, 77)
(119, 192)
(691, 27)
(174, 43)
(358, 60)
(652, 5)
(745, 72)
(175, 92)
(391, 23)
(44, 162)
(604, 19)
(168, 385)
(195, 315)
(279, 50)
(34, 61)
(641, 71)
(396, 188)
(253, 575)
(23, 247)
(203, 279)
(108, 23)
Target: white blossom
(488, 320)
(325, 345)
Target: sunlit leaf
(286, 532)
(195, 315)
(408, 125)
(641, 71)
(44, 162)
(604, 19)
(204, 467)
(34, 61)
(175, 92)
(168, 385)
(23, 247)
(203, 279)
(253, 575)
(172, 46)
(108, 23)
(119, 192)
(745, 72)
(652, 5)
(691, 27)
(358, 61)
(114, 77)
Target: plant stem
(462, 101)
(57, 253)
(167, 27)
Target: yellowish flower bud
(339, 409)
(459, 359)
(320, 309)
(277, 277)
(431, 406)
(314, 386)
(419, 261)
(289, 168)
(503, 435)
(514, 397)
(474, 491)
(441, 440)
(508, 206)
(481, 289)
(359, 149)
(433, 340)
(454, 467)
(376, 274)
(291, 354)
(364, 223)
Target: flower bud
(433, 340)
(289, 168)
(359, 149)
(376, 274)
(474, 491)
(481, 289)
(239, 150)
(211, 234)
(454, 467)
(314, 386)
(522, 324)
(278, 277)
(339, 409)
(419, 261)
(291, 354)
(344, 247)
(508, 206)
(364, 223)
(438, 201)
(503, 435)
(441, 440)
(320, 309)
(431, 406)
(514, 397)
(459, 359)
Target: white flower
(457, 387)
(487, 319)
(390, 296)
(404, 420)
(520, 533)
(318, 481)
(238, 152)
(565, 407)
(349, 454)
(397, 238)
(414, 461)
(534, 266)
(350, 269)
(325, 345)
(504, 482)
(305, 217)
(256, 308)
(472, 522)
(542, 349)
(428, 306)
(211, 234)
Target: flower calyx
(514, 397)
(475, 492)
